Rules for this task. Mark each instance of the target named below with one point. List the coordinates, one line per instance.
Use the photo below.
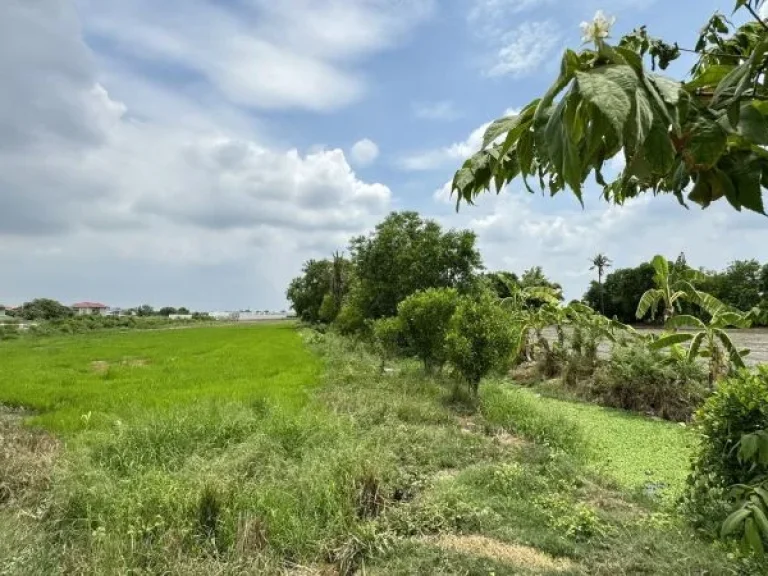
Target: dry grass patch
(26, 460)
(514, 554)
(102, 366)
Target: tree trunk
(600, 284)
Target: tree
(425, 317)
(738, 286)
(405, 254)
(500, 283)
(702, 138)
(167, 311)
(600, 263)
(145, 310)
(482, 337)
(183, 310)
(622, 290)
(307, 291)
(44, 309)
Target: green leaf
(670, 340)
(746, 174)
(710, 76)
(734, 521)
(525, 152)
(701, 193)
(748, 447)
(733, 352)
(658, 149)
(499, 127)
(752, 537)
(732, 83)
(609, 89)
(669, 89)
(649, 301)
(753, 125)
(642, 113)
(707, 302)
(706, 145)
(693, 351)
(560, 147)
(661, 266)
(684, 321)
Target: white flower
(598, 29)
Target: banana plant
(709, 341)
(671, 289)
(597, 327)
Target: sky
(197, 152)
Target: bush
(388, 337)
(425, 318)
(328, 309)
(739, 406)
(350, 319)
(481, 338)
(650, 381)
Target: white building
(90, 309)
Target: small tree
(482, 337)
(387, 337)
(425, 317)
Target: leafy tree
(481, 338)
(703, 138)
(600, 263)
(764, 281)
(306, 292)
(737, 286)
(167, 311)
(388, 337)
(407, 253)
(622, 290)
(500, 283)
(424, 317)
(183, 310)
(145, 310)
(44, 309)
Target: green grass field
(268, 450)
(118, 376)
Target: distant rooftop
(95, 305)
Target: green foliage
(622, 291)
(388, 337)
(737, 408)
(328, 309)
(44, 309)
(425, 317)
(407, 253)
(645, 380)
(702, 137)
(481, 338)
(709, 341)
(306, 292)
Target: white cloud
(764, 10)
(192, 212)
(450, 155)
(289, 54)
(489, 17)
(441, 110)
(524, 49)
(364, 152)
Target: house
(90, 309)
(180, 316)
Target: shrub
(425, 318)
(328, 309)
(481, 338)
(637, 378)
(350, 319)
(387, 337)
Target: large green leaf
(609, 89)
(499, 127)
(706, 145)
(661, 266)
(693, 351)
(684, 321)
(641, 120)
(710, 76)
(732, 83)
(734, 521)
(560, 146)
(659, 152)
(670, 340)
(649, 301)
(753, 125)
(710, 304)
(669, 89)
(733, 353)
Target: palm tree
(600, 263)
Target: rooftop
(89, 305)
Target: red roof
(89, 305)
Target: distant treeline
(49, 309)
(743, 285)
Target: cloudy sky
(197, 151)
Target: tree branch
(756, 15)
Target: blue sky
(198, 151)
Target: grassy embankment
(212, 451)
